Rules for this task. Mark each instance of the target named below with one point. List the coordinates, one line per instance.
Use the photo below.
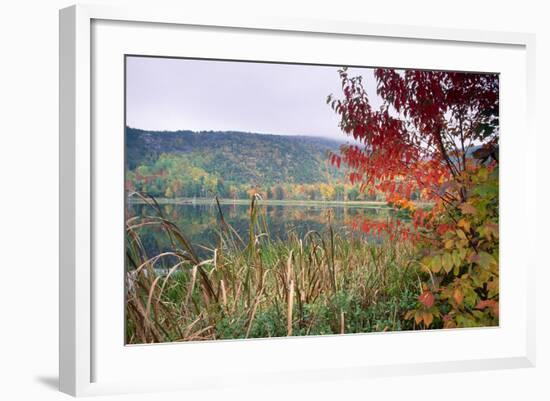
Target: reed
(320, 283)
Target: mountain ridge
(238, 157)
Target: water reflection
(201, 222)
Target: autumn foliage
(435, 137)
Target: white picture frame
(91, 364)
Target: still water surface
(201, 222)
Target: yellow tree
(327, 191)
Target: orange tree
(435, 135)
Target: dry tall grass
(321, 283)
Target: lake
(201, 222)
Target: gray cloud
(172, 94)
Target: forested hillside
(236, 156)
(231, 164)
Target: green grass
(253, 287)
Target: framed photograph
(280, 200)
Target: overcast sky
(200, 95)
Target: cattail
(224, 295)
(289, 309)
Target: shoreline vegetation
(255, 286)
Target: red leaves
(335, 160)
(392, 229)
(411, 146)
(427, 299)
(374, 227)
(443, 228)
(408, 145)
